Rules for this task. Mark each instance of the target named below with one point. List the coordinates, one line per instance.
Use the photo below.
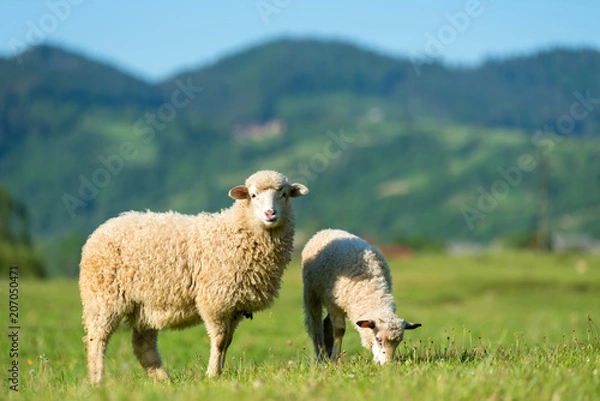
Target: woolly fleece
(349, 278)
(169, 270)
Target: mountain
(47, 90)
(521, 92)
(390, 149)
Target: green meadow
(506, 326)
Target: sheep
(171, 271)
(350, 278)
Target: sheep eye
(253, 196)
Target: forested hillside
(388, 150)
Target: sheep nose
(269, 213)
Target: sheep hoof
(159, 375)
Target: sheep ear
(239, 192)
(410, 326)
(298, 190)
(366, 324)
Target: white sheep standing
(350, 278)
(169, 270)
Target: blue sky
(154, 40)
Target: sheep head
(386, 335)
(268, 193)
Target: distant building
(465, 248)
(395, 251)
(260, 131)
(581, 242)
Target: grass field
(507, 326)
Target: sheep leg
(328, 335)
(99, 328)
(96, 350)
(146, 350)
(313, 311)
(338, 323)
(221, 337)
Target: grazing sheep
(168, 270)
(350, 278)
